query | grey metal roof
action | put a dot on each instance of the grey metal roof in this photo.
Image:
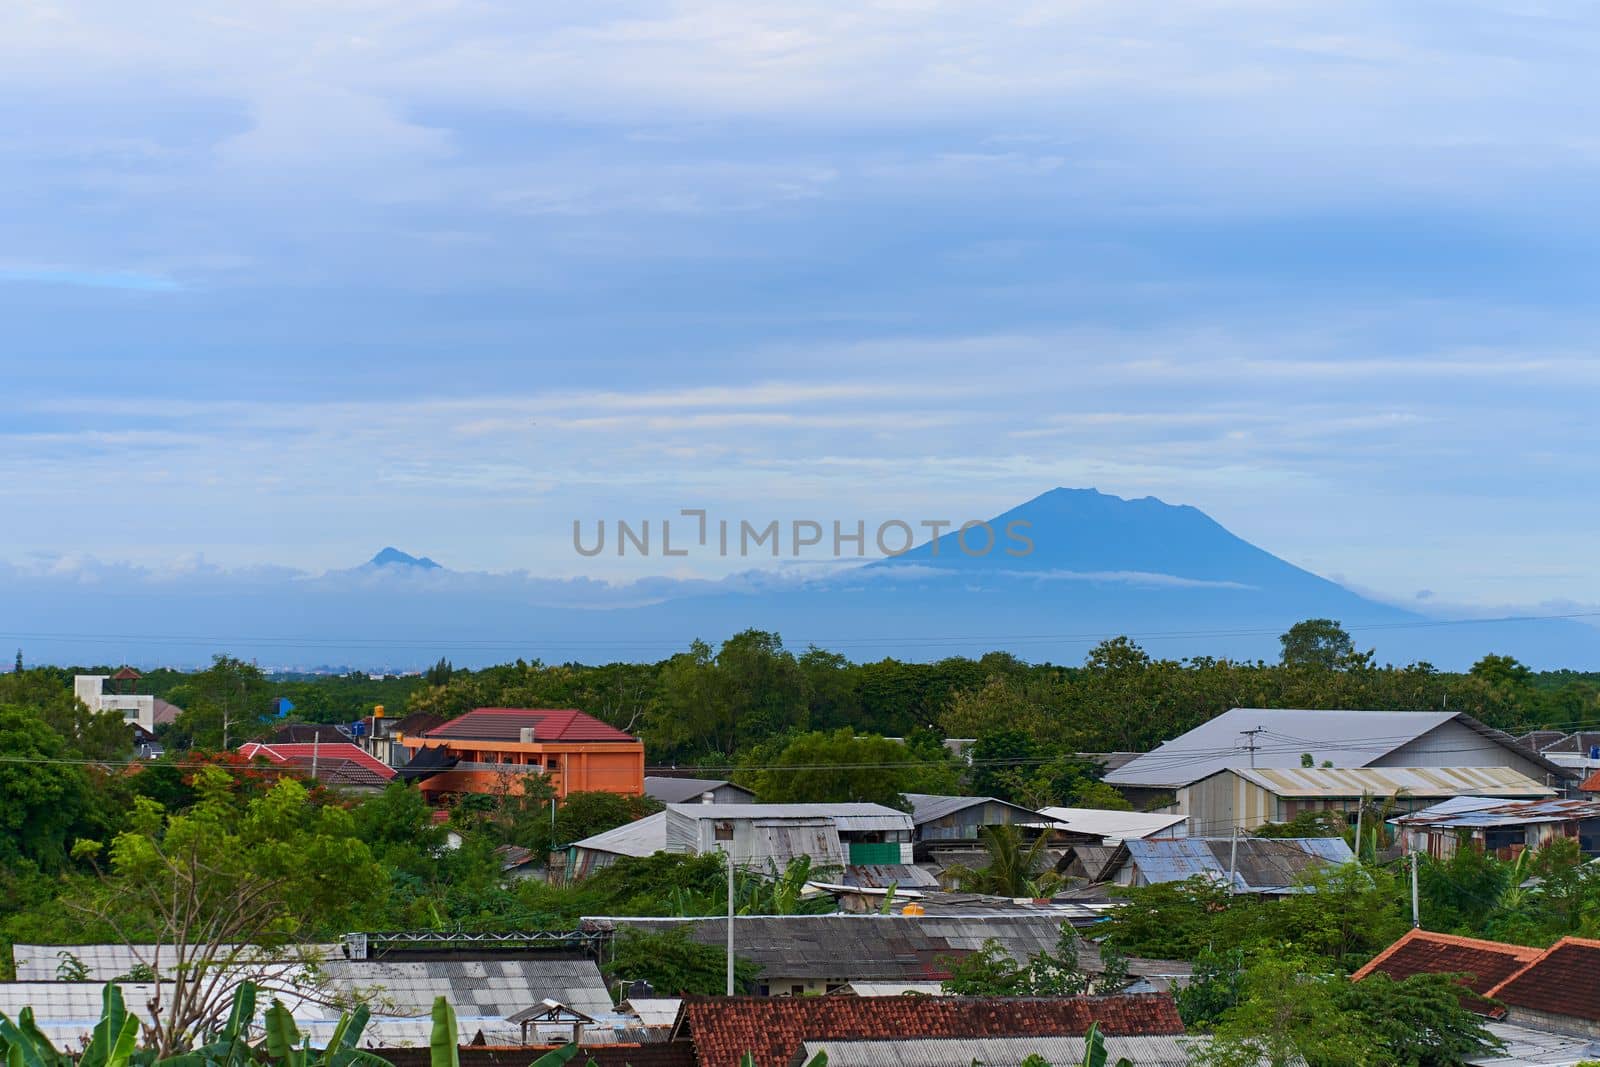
(1116, 825)
(642, 837)
(847, 817)
(926, 807)
(1348, 738)
(883, 875)
(861, 947)
(400, 996)
(1145, 1050)
(686, 790)
(1526, 1047)
(1260, 864)
(105, 962)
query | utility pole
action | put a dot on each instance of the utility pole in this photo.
(1361, 808)
(728, 852)
(1233, 857)
(316, 748)
(1416, 910)
(1250, 744)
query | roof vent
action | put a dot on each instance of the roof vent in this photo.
(708, 798)
(525, 735)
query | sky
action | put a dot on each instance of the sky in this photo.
(285, 283)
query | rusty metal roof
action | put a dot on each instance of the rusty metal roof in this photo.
(1470, 812)
(1356, 782)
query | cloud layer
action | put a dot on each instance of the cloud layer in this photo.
(288, 283)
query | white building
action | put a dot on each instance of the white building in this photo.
(90, 689)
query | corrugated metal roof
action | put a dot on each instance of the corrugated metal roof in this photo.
(894, 989)
(1349, 738)
(105, 962)
(1468, 812)
(926, 807)
(1116, 825)
(1260, 865)
(1355, 782)
(883, 875)
(483, 992)
(1147, 1051)
(686, 790)
(846, 817)
(642, 837)
(1525, 1047)
(861, 947)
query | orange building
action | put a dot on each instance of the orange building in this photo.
(491, 750)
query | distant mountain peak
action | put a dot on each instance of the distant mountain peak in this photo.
(393, 557)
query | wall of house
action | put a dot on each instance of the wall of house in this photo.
(1216, 804)
(755, 842)
(964, 825)
(1455, 745)
(1558, 1024)
(500, 766)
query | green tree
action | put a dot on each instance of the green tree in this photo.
(837, 767)
(224, 705)
(1319, 643)
(585, 814)
(207, 884)
(676, 965)
(43, 798)
(1015, 865)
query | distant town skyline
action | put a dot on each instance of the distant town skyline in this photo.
(290, 285)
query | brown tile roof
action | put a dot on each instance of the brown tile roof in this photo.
(1486, 963)
(559, 726)
(772, 1029)
(1562, 981)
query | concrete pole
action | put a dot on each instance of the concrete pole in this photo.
(1416, 910)
(729, 853)
(1233, 857)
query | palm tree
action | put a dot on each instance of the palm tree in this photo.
(1016, 867)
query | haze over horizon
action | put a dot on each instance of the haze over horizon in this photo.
(289, 286)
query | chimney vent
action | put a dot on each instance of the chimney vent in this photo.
(708, 798)
(525, 735)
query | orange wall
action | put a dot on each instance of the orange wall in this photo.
(608, 767)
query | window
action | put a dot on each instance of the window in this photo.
(723, 832)
(794, 990)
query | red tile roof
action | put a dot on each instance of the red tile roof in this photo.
(772, 1029)
(564, 726)
(1591, 784)
(1564, 980)
(1485, 963)
(335, 761)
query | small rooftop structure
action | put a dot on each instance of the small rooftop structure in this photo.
(773, 1031)
(1112, 827)
(1271, 866)
(690, 790)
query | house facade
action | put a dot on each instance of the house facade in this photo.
(495, 750)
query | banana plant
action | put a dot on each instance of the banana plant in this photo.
(1094, 1049)
(115, 1040)
(557, 1057)
(442, 1041)
(25, 1045)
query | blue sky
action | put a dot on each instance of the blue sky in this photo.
(286, 283)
